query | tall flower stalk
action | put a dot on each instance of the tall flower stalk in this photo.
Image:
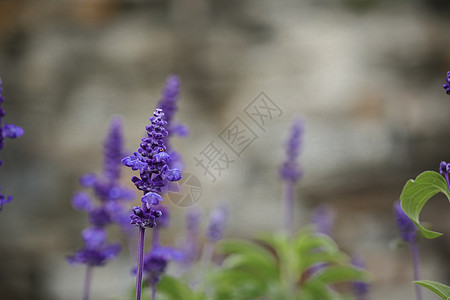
(408, 233)
(6, 131)
(152, 162)
(109, 210)
(290, 173)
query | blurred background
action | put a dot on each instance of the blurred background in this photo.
(365, 76)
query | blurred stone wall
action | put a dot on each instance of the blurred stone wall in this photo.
(365, 75)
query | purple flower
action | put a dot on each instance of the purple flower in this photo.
(408, 230)
(113, 150)
(4, 200)
(156, 261)
(6, 131)
(168, 103)
(290, 171)
(447, 84)
(217, 223)
(106, 187)
(191, 242)
(152, 162)
(360, 289)
(95, 252)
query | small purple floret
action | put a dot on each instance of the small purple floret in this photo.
(151, 198)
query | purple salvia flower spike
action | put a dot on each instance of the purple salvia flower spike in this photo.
(191, 243)
(113, 150)
(152, 163)
(168, 103)
(290, 173)
(6, 131)
(111, 195)
(447, 84)
(154, 171)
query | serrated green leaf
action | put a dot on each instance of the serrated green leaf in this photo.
(335, 274)
(439, 289)
(416, 194)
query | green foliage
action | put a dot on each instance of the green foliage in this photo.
(279, 267)
(170, 288)
(416, 194)
(439, 289)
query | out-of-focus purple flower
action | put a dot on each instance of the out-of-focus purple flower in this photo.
(152, 163)
(95, 252)
(168, 103)
(113, 152)
(217, 223)
(4, 200)
(106, 187)
(156, 261)
(323, 218)
(447, 84)
(191, 242)
(360, 289)
(408, 230)
(290, 170)
(6, 131)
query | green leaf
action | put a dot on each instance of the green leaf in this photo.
(335, 274)
(175, 289)
(237, 284)
(439, 289)
(416, 194)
